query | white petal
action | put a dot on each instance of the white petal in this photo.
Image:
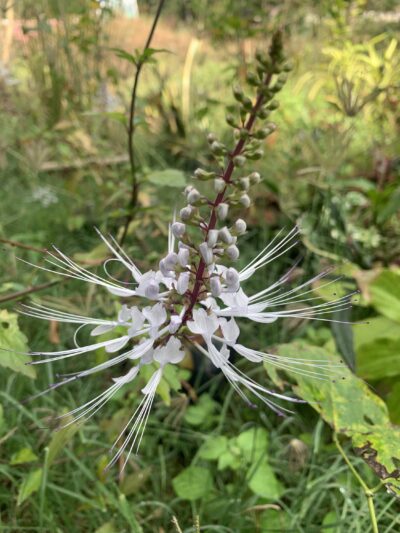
(172, 352)
(230, 330)
(130, 376)
(117, 344)
(104, 328)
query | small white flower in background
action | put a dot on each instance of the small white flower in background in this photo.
(196, 296)
(45, 196)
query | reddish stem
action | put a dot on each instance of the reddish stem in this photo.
(226, 176)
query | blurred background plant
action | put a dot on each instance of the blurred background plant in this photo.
(332, 166)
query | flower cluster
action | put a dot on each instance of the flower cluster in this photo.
(195, 296)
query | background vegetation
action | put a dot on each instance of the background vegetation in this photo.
(333, 167)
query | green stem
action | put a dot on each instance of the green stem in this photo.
(369, 493)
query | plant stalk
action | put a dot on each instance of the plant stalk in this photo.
(133, 202)
(369, 493)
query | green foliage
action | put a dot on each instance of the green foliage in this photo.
(350, 407)
(193, 483)
(331, 166)
(13, 346)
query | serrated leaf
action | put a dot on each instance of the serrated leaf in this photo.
(169, 177)
(213, 447)
(30, 484)
(108, 527)
(263, 482)
(13, 344)
(193, 483)
(25, 455)
(351, 408)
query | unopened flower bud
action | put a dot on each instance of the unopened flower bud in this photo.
(186, 212)
(263, 113)
(212, 237)
(152, 290)
(206, 253)
(219, 185)
(239, 160)
(257, 154)
(274, 104)
(244, 184)
(232, 276)
(240, 226)
(183, 256)
(252, 79)
(178, 229)
(183, 282)
(238, 93)
(231, 120)
(217, 148)
(211, 138)
(193, 196)
(171, 260)
(225, 235)
(232, 252)
(215, 286)
(203, 175)
(222, 211)
(254, 178)
(244, 200)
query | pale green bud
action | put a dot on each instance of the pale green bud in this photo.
(244, 200)
(239, 160)
(203, 175)
(219, 185)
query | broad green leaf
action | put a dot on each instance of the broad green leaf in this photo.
(169, 177)
(201, 413)
(253, 443)
(213, 447)
(262, 481)
(13, 344)
(385, 294)
(30, 485)
(351, 408)
(193, 483)
(377, 328)
(231, 458)
(25, 455)
(60, 439)
(379, 359)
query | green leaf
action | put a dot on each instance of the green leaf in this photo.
(331, 523)
(108, 527)
(201, 413)
(123, 54)
(379, 359)
(274, 520)
(262, 481)
(25, 455)
(385, 294)
(213, 447)
(30, 485)
(377, 328)
(60, 439)
(12, 345)
(253, 443)
(193, 483)
(169, 177)
(351, 408)
(230, 458)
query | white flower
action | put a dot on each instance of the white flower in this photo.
(199, 304)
